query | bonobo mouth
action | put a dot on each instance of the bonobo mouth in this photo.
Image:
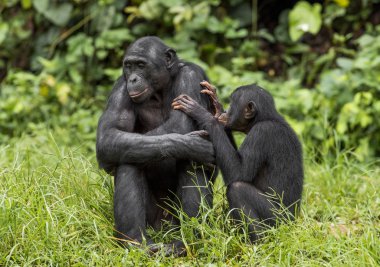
(223, 119)
(138, 94)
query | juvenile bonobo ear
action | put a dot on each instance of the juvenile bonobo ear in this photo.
(250, 110)
(171, 55)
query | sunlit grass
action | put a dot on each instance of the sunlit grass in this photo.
(56, 209)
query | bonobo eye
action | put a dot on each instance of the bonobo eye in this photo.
(141, 65)
(127, 65)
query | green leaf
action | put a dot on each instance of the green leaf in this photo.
(151, 9)
(26, 4)
(365, 40)
(59, 14)
(4, 27)
(304, 18)
(41, 5)
(345, 63)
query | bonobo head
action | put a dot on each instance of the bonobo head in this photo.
(249, 104)
(148, 67)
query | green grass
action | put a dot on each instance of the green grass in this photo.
(56, 209)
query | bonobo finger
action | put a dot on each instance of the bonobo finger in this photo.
(184, 101)
(187, 98)
(181, 96)
(208, 86)
(176, 103)
(202, 133)
(208, 92)
(205, 84)
(179, 107)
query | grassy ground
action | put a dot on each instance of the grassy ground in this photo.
(56, 209)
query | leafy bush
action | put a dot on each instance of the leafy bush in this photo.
(58, 60)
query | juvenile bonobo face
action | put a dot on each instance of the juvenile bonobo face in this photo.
(250, 104)
(241, 112)
(145, 67)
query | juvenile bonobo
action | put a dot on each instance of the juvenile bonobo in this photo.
(147, 146)
(269, 159)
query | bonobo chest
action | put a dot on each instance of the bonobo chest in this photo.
(150, 115)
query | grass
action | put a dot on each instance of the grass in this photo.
(56, 209)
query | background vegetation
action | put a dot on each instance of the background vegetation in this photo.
(59, 59)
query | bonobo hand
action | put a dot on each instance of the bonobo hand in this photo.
(188, 105)
(192, 146)
(210, 90)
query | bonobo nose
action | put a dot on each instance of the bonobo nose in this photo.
(133, 78)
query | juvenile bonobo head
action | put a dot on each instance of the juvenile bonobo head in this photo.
(148, 67)
(249, 104)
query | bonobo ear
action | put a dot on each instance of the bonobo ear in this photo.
(250, 110)
(171, 55)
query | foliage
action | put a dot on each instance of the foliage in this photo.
(56, 209)
(304, 18)
(58, 61)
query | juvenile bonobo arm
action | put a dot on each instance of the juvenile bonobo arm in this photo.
(187, 82)
(233, 163)
(116, 144)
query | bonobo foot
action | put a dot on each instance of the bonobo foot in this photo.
(176, 249)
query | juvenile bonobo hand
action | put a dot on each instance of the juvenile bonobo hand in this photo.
(210, 90)
(188, 105)
(219, 114)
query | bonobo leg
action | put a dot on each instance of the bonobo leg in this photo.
(246, 197)
(132, 203)
(194, 184)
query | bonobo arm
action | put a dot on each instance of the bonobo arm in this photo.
(187, 82)
(235, 165)
(116, 144)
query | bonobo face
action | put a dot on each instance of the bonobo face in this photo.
(138, 85)
(240, 113)
(145, 69)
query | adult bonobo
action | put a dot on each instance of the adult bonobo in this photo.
(143, 142)
(268, 161)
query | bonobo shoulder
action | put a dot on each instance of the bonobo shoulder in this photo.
(264, 129)
(119, 86)
(118, 97)
(192, 69)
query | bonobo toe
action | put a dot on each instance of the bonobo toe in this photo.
(175, 249)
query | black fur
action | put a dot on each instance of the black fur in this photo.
(143, 142)
(268, 161)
